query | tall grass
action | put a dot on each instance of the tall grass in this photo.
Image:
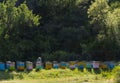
(47, 74)
(56, 76)
(116, 74)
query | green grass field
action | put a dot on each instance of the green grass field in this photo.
(56, 76)
(57, 81)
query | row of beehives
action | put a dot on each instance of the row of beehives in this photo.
(21, 66)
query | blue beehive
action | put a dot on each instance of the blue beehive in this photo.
(55, 65)
(81, 65)
(63, 65)
(20, 66)
(8, 64)
(2, 66)
(111, 65)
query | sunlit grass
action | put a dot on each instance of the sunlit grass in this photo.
(65, 80)
(55, 76)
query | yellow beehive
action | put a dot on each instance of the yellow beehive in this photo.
(21, 68)
(103, 65)
(72, 63)
(48, 65)
(81, 63)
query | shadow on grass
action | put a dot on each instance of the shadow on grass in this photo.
(96, 70)
(5, 75)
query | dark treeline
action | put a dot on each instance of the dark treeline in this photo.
(60, 30)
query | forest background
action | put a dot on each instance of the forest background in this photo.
(60, 30)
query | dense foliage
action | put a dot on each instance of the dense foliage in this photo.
(60, 29)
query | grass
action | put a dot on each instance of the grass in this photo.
(54, 81)
(55, 76)
(116, 74)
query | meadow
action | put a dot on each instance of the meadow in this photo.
(61, 76)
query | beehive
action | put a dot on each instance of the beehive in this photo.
(12, 66)
(95, 64)
(20, 66)
(2, 66)
(72, 64)
(63, 65)
(29, 65)
(81, 64)
(55, 65)
(48, 65)
(103, 65)
(88, 65)
(39, 65)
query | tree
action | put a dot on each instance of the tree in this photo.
(97, 13)
(15, 21)
(112, 22)
(107, 20)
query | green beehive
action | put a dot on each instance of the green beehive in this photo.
(12, 66)
(39, 64)
(88, 65)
